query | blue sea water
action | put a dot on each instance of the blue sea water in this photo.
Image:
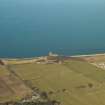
(35, 27)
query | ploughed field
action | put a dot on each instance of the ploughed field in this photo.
(72, 83)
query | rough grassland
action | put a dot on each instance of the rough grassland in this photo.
(11, 87)
(84, 84)
(3, 71)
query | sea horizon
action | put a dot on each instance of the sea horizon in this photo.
(75, 55)
(66, 27)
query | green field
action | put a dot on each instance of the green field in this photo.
(72, 83)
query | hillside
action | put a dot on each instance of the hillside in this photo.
(11, 87)
(73, 82)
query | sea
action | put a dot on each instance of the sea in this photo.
(31, 28)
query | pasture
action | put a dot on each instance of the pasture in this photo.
(71, 83)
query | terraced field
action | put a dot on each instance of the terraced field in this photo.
(71, 83)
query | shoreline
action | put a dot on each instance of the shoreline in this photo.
(35, 57)
(88, 55)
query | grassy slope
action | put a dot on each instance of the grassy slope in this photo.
(3, 71)
(70, 76)
(8, 96)
(11, 88)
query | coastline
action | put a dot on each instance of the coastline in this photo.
(36, 57)
(89, 55)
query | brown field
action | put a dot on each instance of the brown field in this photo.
(97, 58)
(11, 87)
(4, 90)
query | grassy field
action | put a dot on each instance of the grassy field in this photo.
(72, 83)
(3, 71)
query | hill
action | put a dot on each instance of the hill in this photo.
(74, 82)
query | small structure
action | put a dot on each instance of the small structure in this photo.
(52, 54)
